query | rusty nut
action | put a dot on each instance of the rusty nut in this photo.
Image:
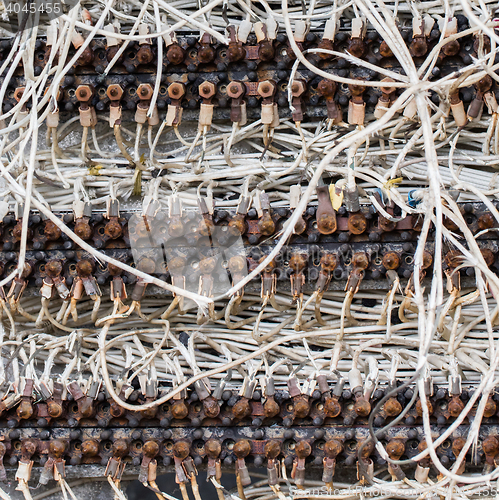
(18, 93)
(388, 90)
(58, 96)
(176, 90)
(114, 92)
(207, 90)
(235, 90)
(266, 89)
(144, 91)
(298, 88)
(84, 93)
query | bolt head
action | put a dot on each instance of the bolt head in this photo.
(207, 90)
(84, 93)
(144, 91)
(298, 88)
(114, 92)
(176, 90)
(266, 89)
(235, 90)
(19, 93)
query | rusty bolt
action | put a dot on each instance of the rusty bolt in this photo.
(490, 446)
(207, 90)
(175, 54)
(150, 449)
(84, 268)
(329, 261)
(145, 91)
(235, 52)
(28, 448)
(266, 50)
(367, 449)
(298, 88)
(28, 269)
(113, 229)
(53, 268)
(242, 448)
(207, 265)
(179, 410)
(213, 448)
(360, 260)
(326, 223)
(266, 225)
(356, 47)
(114, 270)
(57, 448)
(241, 409)
(419, 407)
(57, 97)
(490, 408)
(83, 229)
(237, 264)
(144, 54)
(176, 264)
(114, 92)
(271, 408)
(488, 256)
(301, 407)
(84, 93)
(236, 89)
(272, 449)
(176, 228)
(456, 406)
(86, 57)
(303, 449)
(238, 224)
(270, 266)
(486, 221)
(391, 260)
(451, 48)
(54, 409)
(332, 408)
(427, 259)
(418, 47)
(326, 88)
(146, 265)
(298, 262)
(120, 448)
(357, 223)
(116, 410)
(181, 449)
(18, 93)
(25, 410)
(387, 90)
(211, 408)
(484, 84)
(395, 449)
(51, 231)
(362, 407)
(458, 445)
(333, 448)
(90, 448)
(356, 90)
(392, 407)
(385, 50)
(266, 89)
(206, 53)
